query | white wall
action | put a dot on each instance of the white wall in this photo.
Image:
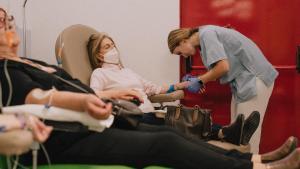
(139, 27)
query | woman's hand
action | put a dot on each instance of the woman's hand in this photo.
(181, 85)
(125, 94)
(196, 85)
(191, 85)
(96, 107)
(39, 130)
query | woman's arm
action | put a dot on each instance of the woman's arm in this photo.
(97, 83)
(177, 86)
(220, 68)
(70, 100)
(151, 88)
(124, 94)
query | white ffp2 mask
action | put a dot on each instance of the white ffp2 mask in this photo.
(112, 56)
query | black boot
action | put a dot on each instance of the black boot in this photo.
(250, 126)
(233, 133)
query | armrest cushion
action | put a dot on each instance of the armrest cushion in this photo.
(169, 97)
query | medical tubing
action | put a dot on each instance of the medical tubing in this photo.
(47, 155)
(72, 84)
(35, 147)
(1, 103)
(10, 88)
(8, 162)
(16, 162)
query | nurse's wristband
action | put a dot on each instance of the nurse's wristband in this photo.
(171, 89)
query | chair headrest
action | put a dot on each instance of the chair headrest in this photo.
(71, 52)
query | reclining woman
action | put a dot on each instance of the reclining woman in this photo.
(14, 136)
(109, 74)
(114, 145)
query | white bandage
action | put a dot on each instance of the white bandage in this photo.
(60, 114)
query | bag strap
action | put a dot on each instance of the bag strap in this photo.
(195, 113)
(178, 111)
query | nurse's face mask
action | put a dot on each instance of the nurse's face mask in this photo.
(108, 52)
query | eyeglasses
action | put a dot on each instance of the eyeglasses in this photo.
(10, 19)
(2, 20)
(9, 22)
(108, 46)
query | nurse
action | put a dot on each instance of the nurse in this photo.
(233, 59)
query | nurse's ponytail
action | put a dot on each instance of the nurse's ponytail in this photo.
(178, 35)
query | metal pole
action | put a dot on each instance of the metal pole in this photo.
(24, 30)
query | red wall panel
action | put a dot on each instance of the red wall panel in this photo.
(275, 26)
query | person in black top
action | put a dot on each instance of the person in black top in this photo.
(137, 148)
(12, 125)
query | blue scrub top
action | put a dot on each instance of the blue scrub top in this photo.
(245, 59)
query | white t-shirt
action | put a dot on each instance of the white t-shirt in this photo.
(111, 77)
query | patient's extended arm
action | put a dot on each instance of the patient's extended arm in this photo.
(151, 88)
(124, 94)
(101, 81)
(70, 100)
(177, 86)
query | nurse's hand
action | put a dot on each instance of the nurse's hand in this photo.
(187, 77)
(196, 85)
(202, 90)
(96, 107)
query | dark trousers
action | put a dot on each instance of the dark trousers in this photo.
(148, 145)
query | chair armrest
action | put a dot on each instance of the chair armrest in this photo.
(169, 97)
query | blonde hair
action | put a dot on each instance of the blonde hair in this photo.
(5, 17)
(178, 35)
(93, 49)
(4, 11)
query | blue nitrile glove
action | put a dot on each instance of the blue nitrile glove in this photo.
(195, 85)
(187, 77)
